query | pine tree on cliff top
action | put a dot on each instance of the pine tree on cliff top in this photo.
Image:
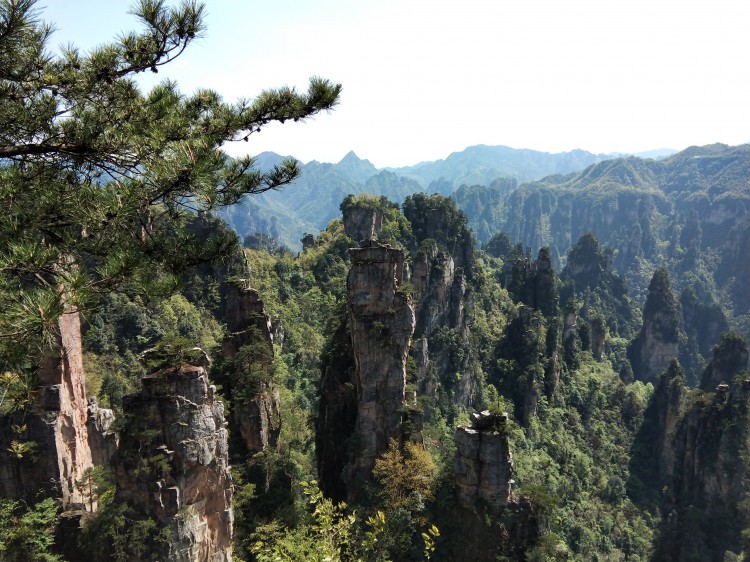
(97, 179)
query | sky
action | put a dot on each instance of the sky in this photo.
(422, 79)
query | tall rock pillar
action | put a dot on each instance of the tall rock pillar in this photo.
(381, 321)
(173, 463)
(249, 346)
(56, 426)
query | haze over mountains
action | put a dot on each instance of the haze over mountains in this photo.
(313, 200)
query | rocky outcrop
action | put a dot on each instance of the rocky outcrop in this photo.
(706, 480)
(436, 218)
(523, 358)
(55, 429)
(103, 439)
(484, 464)
(381, 322)
(652, 454)
(690, 453)
(730, 358)
(657, 343)
(489, 521)
(248, 352)
(172, 464)
(440, 292)
(362, 222)
(443, 299)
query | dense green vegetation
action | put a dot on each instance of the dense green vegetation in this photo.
(618, 453)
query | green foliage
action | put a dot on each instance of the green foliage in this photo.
(95, 482)
(118, 533)
(16, 391)
(406, 475)
(331, 534)
(27, 533)
(438, 218)
(98, 179)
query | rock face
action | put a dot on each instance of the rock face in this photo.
(103, 440)
(657, 343)
(362, 222)
(255, 412)
(484, 463)
(381, 322)
(706, 479)
(730, 357)
(489, 522)
(442, 303)
(690, 450)
(172, 464)
(653, 456)
(56, 425)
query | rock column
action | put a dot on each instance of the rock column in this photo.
(382, 322)
(173, 463)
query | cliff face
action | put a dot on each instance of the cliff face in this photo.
(657, 343)
(484, 463)
(707, 479)
(489, 523)
(730, 357)
(381, 322)
(362, 222)
(103, 439)
(56, 425)
(442, 301)
(172, 463)
(690, 451)
(440, 291)
(249, 343)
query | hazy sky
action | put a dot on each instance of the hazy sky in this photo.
(424, 78)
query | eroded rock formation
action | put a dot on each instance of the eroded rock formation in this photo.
(362, 222)
(657, 343)
(103, 439)
(172, 464)
(706, 479)
(690, 451)
(381, 322)
(55, 428)
(484, 463)
(442, 303)
(249, 347)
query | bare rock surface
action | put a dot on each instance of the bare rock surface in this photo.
(484, 463)
(55, 427)
(172, 464)
(381, 321)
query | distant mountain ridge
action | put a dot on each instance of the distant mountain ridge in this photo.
(313, 200)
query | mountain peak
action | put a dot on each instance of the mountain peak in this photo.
(355, 168)
(351, 157)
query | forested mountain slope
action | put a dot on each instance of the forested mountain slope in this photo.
(314, 199)
(689, 212)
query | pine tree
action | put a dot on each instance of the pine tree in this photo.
(98, 179)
